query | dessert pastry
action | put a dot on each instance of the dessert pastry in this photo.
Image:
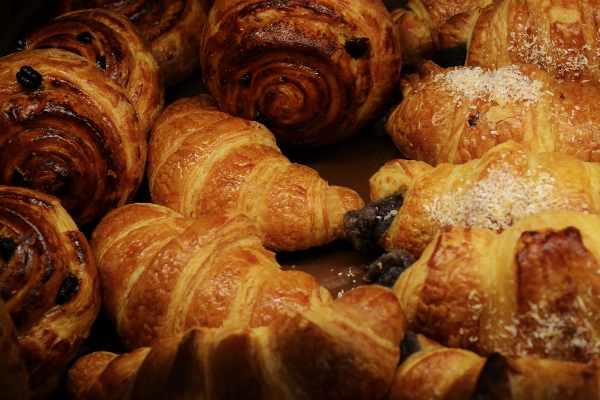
(172, 28)
(14, 382)
(457, 114)
(68, 130)
(162, 274)
(348, 350)
(49, 282)
(532, 290)
(201, 159)
(110, 41)
(505, 185)
(312, 72)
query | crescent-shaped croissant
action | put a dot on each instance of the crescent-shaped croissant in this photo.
(348, 350)
(201, 159)
(531, 290)
(68, 130)
(313, 72)
(457, 114)
(162, 274)
(49, 282)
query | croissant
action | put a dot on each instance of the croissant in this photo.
(48, 281)
(559, 37)
(454, 374)
(68, 130)
(457, 114)
(531, 290)
(505, 185)
(162, 274)
(110, 41)
(348, 350)
(14, 383)
(313, 72)
(172, 28)
(201, 159)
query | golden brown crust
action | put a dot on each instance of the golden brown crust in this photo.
(201, 159)
(14, 383)
(532, 290)
(163, 274)
(313, 71)
(460, 113)
(172, 29)
(76, 136)
(335, 352)
(110, 41)
(49, 282)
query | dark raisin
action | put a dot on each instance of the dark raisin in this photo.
(261, 118)
(29, 78)
(21, 45)
(68, 289)
(7, 247)
(356, 47)
(473, 119)
(101, 62)
(246, 80)
(85, 37)
(409, 345)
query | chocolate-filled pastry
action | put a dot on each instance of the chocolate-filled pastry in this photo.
(110, 41)
(493, 192)
(532, 290)
(313, 72)
(444, 373)
(172, 28)
(457, 114)
(162, 274)
(68, 130)
(201, 159)
(49, 282)
(348, 350)
(14, 381)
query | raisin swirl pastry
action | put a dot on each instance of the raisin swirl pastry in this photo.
(172, 28)
(68, 130)
(48, 280)
(313, 72)
(112, 42)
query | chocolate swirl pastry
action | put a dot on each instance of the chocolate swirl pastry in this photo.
(313, 72)
(48, 280)
(110, 41)
(171, 27)
(68, 130)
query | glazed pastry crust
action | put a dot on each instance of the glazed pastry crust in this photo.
(201, 159)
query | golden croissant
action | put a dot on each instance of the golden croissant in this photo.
(201, 159)
(110, 41)
(532, 290)
(348, 350)
(313, 72)
(508, 183)
(437, 372)
(68, 130)
(456, 114)
(14, 382)
(162, 274)
(49, 283)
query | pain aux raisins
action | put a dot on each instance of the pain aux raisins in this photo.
(29, 78)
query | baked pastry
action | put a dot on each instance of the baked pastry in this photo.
(348, 350)
(312, 72)
(48, 281)
(505, 185)
(172, 28)
(162, 274)
(68, 130)
(110, 41)
(444, 373)
(559, 37)
(531, 290)
(14, 382)
(201, 159)
(457, 114)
